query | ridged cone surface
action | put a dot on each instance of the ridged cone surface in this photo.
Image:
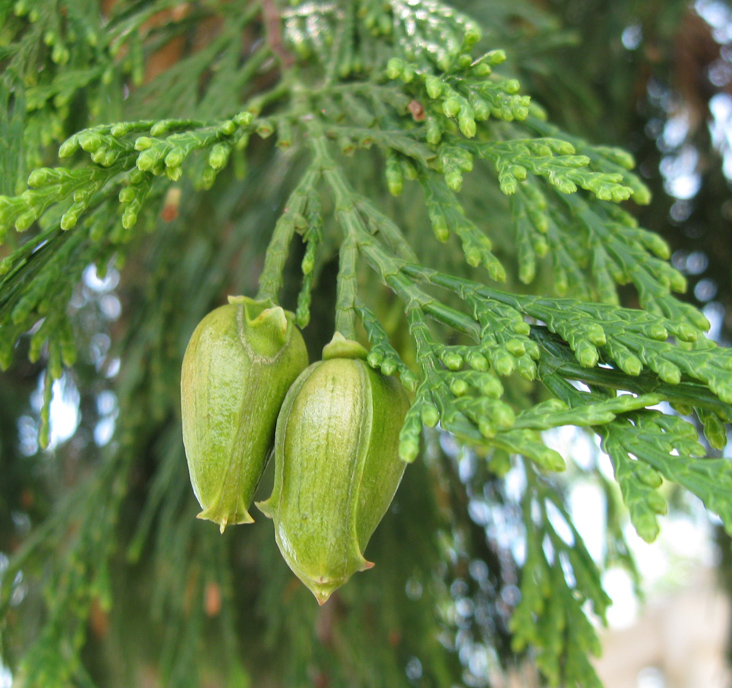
(337, 469)
(239, 364)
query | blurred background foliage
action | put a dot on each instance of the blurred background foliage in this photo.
(154, 597)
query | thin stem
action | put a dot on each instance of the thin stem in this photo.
(423, 341)
(272, 22)
(284, 88)
(347, 287)
(345, 33)
(559, 359)
(270, 282)
(388, 266)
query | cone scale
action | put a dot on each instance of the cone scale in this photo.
(239, 364)
(336, 465)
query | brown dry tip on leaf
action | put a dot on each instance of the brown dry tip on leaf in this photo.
(417, 110)
(171, 205)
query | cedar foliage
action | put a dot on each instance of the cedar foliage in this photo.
(378, 169)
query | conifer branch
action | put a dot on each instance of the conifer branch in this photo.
(359, 99)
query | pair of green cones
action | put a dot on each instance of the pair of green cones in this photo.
(246, 386)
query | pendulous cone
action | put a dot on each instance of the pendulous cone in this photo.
(239, 364)
(336, 465)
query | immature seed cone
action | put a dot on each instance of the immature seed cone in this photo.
(337, 465)
(239, 364)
